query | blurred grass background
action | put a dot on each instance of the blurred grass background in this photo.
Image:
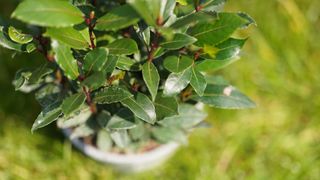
(278, 140)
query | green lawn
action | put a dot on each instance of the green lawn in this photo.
(278, 140)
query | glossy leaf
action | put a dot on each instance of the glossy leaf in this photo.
(198, 81)
(103, 118)
(73, 103)
(75, 119)
(111, 63)
(48, 13)
(118, 18)
(95, 81)
(148, 10)
(227, 53)
(46, 117)
(65, 60)
(39, 73)
(6, 42)
(151, 78)
(229, 48)
(110, 95)
(139, 132)
(95, 60)
(193, 19)
(75, 38)
(18, 37)
(104, 141)
(189, 116)
(120, 138)
(177, 64)
(128, 64)
(183, 2)
(165, 106)
(84, 130)
(167, 8)
(224, 97)
(169, 134)
(124, 46)
(21, 78)
(142, 107)
(220, 30)
(179, 40)
(49, 94)
(124, 119)
(176, 82)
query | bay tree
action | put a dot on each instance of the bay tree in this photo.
(127, 72)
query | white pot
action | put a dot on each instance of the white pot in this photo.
(127, 163)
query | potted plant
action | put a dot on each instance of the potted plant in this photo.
(124, 80)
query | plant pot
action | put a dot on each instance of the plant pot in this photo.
(127, 163)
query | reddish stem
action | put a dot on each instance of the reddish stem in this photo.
(154, 46)
(93, 107)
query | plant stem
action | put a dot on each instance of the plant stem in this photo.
(43, 48)
(154, 46)
(91, 25)
(93, 106)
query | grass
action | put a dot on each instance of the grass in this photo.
(278, 140)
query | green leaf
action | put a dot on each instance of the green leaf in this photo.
(118, 18)
(151, 78)
(215, 5)
(169, 134)
(124, 46)
(18, 37)
(227, 54)
(142, 107)
(193, 19)
(49, 94)
(148, 10)
(48, 13)
(73, 103)
(95, 60)
(38, 74)
(65, 60)
(249, 19)
(103, 118)
(75, 119)
(179, 40)
(224, 97)
(214, 65)
(222, 29)
(165, 106)
(139, 132)
(198, 81)
(21, 78)
(95, 81)
(6, 42)
(229, 48)
(46, 117)
(176, 82)
(111, 95)
(83, 130)
(104, 141)
(177, 64)
(111, 63)
(183, 2)
(168, 8)
(120, 138)
(75, 38)
(189, 116)
(128, 64)
(124, 119)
